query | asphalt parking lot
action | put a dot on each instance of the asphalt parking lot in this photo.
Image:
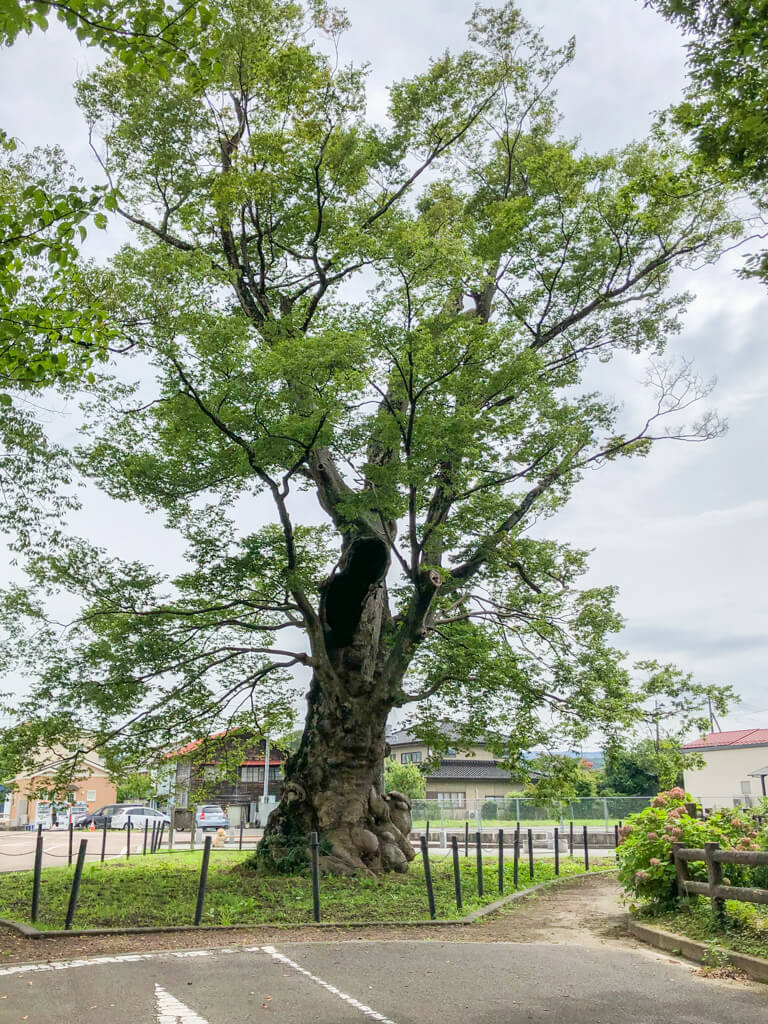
(392, 982)
(17, 849)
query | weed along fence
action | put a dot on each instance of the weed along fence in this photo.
(570, 839)
(137, 890)
(716, 887)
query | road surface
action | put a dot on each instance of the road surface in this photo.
(396, 982)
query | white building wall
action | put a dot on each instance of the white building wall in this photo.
(724, 773)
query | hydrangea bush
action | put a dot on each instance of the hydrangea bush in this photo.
(646, 869)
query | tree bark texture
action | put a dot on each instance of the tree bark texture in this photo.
(333, 783)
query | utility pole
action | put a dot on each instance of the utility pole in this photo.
(266, 769)
(714, 725)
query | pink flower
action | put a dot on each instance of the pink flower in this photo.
(735, 822)
(653, 835)
(654, 862)
(677, 833)
(641, 875)
(660, 800)
(677, 793)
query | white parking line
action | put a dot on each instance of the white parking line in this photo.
(166, 1007)
(365, 1010)
(121, 958)
(169, 1010)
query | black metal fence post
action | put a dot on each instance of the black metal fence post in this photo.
(586, 849)
(466, 838)
(103, 840)
(128, 840)
(146, 834)
(69, 851)
(570, 838)
(76, 884)
(615, 837)
(153, 837)
(240, 842)
(428, 877)
(36, 878)
(530, 852)
(203, 880)
(456, 872)
(479, 857)
(160, 836)
(557, 850)
(501, 860)
(315, 843)
(427, 829)
(516, 859)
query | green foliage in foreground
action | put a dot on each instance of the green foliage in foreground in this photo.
(161, 890)
(646, 870)
(744, 928)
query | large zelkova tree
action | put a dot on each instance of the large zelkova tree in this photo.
(368, 342)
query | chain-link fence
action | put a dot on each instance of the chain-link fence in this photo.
(500, 813)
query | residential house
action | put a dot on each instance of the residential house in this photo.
(91, 787)
(463, 778)
(228, 769)
(734, 771)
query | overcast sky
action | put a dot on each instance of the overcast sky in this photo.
(683, 533)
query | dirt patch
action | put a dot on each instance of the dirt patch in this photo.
(582, 912)
(585, 913)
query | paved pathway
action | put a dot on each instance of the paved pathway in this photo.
(389, 982)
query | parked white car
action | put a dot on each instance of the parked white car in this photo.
(139, 816)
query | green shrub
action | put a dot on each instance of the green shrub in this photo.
(646, 869)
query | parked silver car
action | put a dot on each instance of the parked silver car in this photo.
(210, 816)
(139, 816)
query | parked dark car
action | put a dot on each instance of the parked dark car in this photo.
(102, 814)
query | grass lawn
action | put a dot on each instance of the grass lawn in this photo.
(162, 890)
(744, 928)
(509, 826)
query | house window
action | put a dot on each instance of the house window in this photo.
(450, 752)
(414, 757)
(454, 799)
(746, 788)
(210, 772)
(90, 795)
(275, 772)
(252, 773)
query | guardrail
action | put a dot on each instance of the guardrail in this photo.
(714, 857)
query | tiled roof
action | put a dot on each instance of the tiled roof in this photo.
(730, 738)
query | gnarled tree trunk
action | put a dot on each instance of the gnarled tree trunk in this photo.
(333, 783)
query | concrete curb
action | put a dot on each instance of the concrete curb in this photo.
(753, 966)
(30, 932)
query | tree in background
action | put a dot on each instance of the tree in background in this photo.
(383, 328)
(404, 778)
(724, 110)
(136, 786)
(675, 706)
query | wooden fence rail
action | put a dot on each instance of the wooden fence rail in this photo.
(714, 858)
